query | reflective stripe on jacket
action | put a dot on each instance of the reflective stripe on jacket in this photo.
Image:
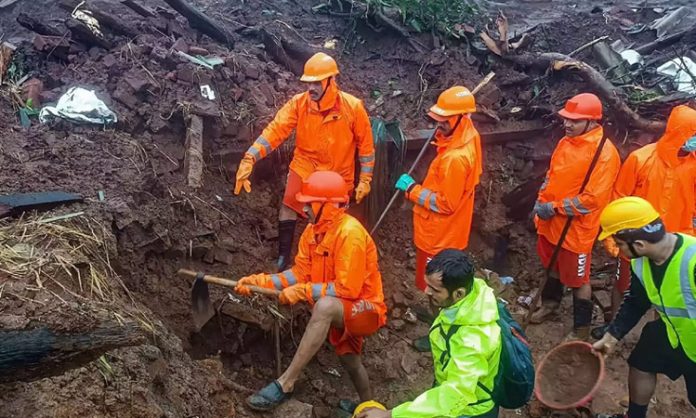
(569, 165)
(343, 263)
(444, 203)
(326, 137)
(675, 300)
(472, 358)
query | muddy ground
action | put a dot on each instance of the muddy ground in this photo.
(157, 224)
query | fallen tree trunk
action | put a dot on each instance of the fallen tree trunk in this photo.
(201, 22)
(105, 19)
(596, 80)
(31, 354)
(137, 8)
(36, 26)
(290, 54)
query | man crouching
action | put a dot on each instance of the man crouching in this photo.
(336, 272)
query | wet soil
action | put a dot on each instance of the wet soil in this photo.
(569, 375)
(158, 224)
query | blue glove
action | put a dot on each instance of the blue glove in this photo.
(405, 183)
(545, 211)
(689, 145)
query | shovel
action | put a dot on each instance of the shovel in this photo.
(200, 296)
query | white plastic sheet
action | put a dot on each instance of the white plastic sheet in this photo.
(682, 71)
(80, 106)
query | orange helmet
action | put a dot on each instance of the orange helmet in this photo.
(319, 67)
(323, 186)
(455, 100)
(585, 106)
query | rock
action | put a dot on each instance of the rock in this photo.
(397, 324)
(293, 409)
(109, 60)
(397, 313)
(198, 251)
(223, 256)
(197, 50)
(399, 299)
(322, 412)
(138, 81)
(181, 45)
(252, 72)
(125, 95)
(604, 299)
(267, 92)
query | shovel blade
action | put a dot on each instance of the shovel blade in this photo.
(202, 308)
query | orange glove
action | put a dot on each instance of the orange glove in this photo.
(611, 247)
(362, 190)
(243, 174)
(294, 294)
(260, 280)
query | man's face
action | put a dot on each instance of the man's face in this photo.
(444, 127)
(315, 89)
(574, 128)
(436, 292)
(638, 247)
(309, 211)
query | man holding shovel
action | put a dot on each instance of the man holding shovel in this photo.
(444, 202)
(336, 272)
(330, 126)
(663, 271)
(578, 185)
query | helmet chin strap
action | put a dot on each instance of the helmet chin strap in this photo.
(324, 89)
(318, 214)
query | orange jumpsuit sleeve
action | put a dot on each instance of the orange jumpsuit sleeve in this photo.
(596, 193)
(350, 269)
(300, 272)
(627, 181)
(362, 130)
(277, 131)
(450, 193)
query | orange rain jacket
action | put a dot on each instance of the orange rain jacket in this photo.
(327, 135)
(342, 263)
(444, 203)
(655, 173)
(569, 165)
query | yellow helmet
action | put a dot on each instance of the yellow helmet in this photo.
(367, 405)
(629, 212)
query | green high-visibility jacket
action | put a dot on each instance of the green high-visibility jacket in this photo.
(471, 358)
(675, 300)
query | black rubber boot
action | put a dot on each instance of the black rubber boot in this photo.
(553, 290)
(286, 235)
(582, 318)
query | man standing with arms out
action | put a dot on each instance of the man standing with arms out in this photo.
(662, 277)
(663, 174)
(444, 203)
(560, 199)
(336, 272)
(330, 125)
(466, 342)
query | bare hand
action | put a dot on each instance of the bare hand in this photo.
(606, 344)
(374, 413)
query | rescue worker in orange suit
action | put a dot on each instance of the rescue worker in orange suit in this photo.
(444, 202)
(336, 273)
(663, 173)
(560, 198)
(330, 125)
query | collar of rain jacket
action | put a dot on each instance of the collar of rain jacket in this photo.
(478, 307)
(330, 216)
(328, 101)
(465, 133)
(594, 135)
(681, 126)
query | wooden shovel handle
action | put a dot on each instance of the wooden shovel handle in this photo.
(227, 282)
